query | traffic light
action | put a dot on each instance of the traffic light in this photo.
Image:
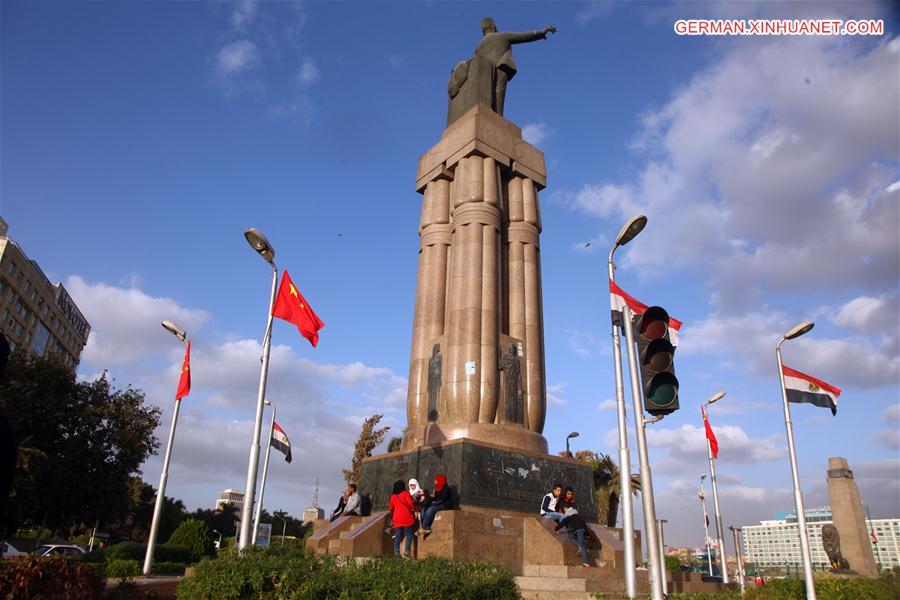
(656, 355)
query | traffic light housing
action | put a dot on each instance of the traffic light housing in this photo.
(656, 356)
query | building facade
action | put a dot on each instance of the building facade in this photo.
(36, 316)
(231, 497)
(776, 543)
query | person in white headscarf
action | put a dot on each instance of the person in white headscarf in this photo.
(416, 491)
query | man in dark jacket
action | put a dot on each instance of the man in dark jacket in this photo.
(576, 528)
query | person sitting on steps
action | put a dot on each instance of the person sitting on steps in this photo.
(352, 508)
(576, 529)
(549, 503)
(566, 500)
(440, 500)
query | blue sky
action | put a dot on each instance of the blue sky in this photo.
(139, 140)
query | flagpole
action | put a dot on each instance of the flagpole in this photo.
(723, 556)
(262, 486)
(625, 499)
(736, 532)
(705, 525)
(795, 473)
(164, 476)
(259, 243)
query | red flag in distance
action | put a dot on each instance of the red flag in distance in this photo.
(713, 442)
(184, 382)
(292, 307)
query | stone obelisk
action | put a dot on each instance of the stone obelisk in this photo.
(850, 518)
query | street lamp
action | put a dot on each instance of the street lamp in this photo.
(702, 497)
(736, 532)
(283, 528)
(627, 233)
(262, 246)
(262, 487)
(796, 332)
(164, 476)
(715, 489)
(662, 553)
(574, 434)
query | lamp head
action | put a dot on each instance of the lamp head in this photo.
(633, 227)
(799, 330)
(716, 397)
(268, 403)
(702, 477)
(174, 330)
(574, 434)
(258, 242)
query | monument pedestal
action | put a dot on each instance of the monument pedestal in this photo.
(481, 475)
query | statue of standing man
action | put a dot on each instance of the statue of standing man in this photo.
(482, 79)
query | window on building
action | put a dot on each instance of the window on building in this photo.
(11, 268)
(26, 286)
(34, 295)
(20, 277)
(41, 337)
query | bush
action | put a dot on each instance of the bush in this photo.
(137, 551)
(672, 563)
(168, 568)
(295, 573)
(829, 587)
(122, 569)
(35, 578)
(194, 535)
(126, 551)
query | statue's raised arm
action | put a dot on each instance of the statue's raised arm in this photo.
(482, 79)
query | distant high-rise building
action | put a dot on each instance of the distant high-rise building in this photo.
(231, 497)
(314, 512)
(37, 317)
(776, 543)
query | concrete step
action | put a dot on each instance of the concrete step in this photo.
(601, 569)
(551, 584)
(334, 546)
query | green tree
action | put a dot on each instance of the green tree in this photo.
(369, 438)
(136, 522)
(80, 442)
(194, 535)
(606, 484)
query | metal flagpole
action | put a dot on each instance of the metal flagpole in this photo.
(625, 499)
(253, 465)
(646, 477)
(795, 473)
(706, 525)
(736, 532)
(262, 485)
(662, 555)
(715, 491)
(164, 476)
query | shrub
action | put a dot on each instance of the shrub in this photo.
(194, 535)
(828, 588)
(672, 563)
(35, 578)
(126, 551)
(168, 568)
(137, 551)
(122, 569)
(295, 573)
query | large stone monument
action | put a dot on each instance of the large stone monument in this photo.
(849, 518)
(477, 396)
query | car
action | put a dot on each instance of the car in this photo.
(11, 551)
(59, 550)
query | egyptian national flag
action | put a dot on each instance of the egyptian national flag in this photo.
(281, 442)
(806, 388)
(713, 442)
(184, 382)
(291, 306)
(619, 299)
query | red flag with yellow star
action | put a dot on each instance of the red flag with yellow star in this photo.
(291, 306)
(184, 382)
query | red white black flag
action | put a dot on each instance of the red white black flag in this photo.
(281, 442)
(619, 299)
(806, 388)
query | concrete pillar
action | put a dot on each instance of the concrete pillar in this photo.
(849, 518)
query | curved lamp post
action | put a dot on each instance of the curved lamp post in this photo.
(702, 497)
(715, 489)
(796, 332)
(574, 434)
(628, 232)
(179, 333)
(262, 246)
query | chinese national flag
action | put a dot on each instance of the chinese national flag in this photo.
(291, 306)
(713, 442)
(184, 383)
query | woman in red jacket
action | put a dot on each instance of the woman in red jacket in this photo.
(403, 515)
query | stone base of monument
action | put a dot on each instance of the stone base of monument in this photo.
(545, 563)
(480, 475)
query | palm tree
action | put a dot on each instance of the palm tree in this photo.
(606, 484)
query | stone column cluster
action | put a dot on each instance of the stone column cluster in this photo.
(478, 326)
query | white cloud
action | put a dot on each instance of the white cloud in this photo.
(873, 315)
(892, 413)
(237, 57)
(125, 321)
(308, 73)
(535, 133)
(244, 14)
(608, 404)
(554, 394)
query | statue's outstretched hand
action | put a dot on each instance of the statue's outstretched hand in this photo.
(550, 29)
